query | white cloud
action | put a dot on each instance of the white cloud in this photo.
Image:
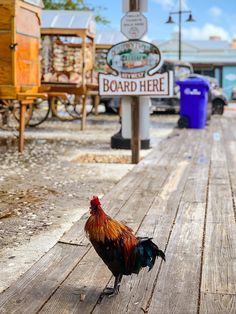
(215, 11)
(166, 4)
(170, 4)
(204, 32)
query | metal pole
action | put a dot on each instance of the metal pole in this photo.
(180, 29)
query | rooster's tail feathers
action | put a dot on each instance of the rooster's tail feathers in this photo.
(147, 252)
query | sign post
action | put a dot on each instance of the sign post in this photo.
(135, 139)
(134, 64)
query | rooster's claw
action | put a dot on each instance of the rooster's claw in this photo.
(110, 292)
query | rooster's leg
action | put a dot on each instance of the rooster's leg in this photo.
(113, 291)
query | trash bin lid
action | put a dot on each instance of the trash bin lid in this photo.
(194, 80)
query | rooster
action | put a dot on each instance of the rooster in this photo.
(119, 248)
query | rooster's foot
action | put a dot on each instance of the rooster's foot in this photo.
(110, 291)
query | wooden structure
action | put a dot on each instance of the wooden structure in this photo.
(73, 30)
(186, 203)
(19, 54)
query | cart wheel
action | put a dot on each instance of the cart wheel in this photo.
(183, 122)
(64, 110)
(14, 106)
(41, 109)
(4, 114)
(75, 107)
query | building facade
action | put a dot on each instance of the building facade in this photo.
(213, 57)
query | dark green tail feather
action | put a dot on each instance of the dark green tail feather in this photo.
(146, 254)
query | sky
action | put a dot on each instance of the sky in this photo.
(213, 17)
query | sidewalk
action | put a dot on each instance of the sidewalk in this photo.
(183, 195)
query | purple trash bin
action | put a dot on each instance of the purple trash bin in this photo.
(193, 102)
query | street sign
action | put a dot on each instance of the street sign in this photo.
(133, 63)
(134, 25)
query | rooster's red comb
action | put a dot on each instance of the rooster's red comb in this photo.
(95, 201)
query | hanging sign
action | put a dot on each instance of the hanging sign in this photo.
(135, 64)
(134, 25)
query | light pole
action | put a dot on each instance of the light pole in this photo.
(180, 13)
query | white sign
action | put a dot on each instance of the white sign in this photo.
(159, 85)
(134, 25)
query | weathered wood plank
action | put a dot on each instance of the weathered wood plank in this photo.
(32, 290)
(219, 259)
(218, 303)
(112, 203)
(179, 277)
(114, 200)
(157, 224)
(131, 213)
(220, 206)
(136, 291)
(230, 148)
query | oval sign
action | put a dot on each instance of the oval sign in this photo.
(134, 56)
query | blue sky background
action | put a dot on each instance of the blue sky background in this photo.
(213, 17)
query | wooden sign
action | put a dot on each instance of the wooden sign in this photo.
(158, 85)
(135, 64)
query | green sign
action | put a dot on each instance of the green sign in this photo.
(134, 56)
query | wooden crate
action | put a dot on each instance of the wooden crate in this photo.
(19, 54)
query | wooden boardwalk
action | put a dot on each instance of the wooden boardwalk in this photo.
(183, 195)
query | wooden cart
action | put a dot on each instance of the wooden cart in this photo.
(19, 54)
(68, 53)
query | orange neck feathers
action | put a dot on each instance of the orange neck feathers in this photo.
(100, 227)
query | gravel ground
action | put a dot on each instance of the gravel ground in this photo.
(46, 189)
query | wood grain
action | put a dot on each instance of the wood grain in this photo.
(219, 260)
(91, 275)
(23, 26)
(27, 56)
(5, 16)
(34, 288)
(177, 287)
(5, 59)
(218, 303)
(157, 224)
